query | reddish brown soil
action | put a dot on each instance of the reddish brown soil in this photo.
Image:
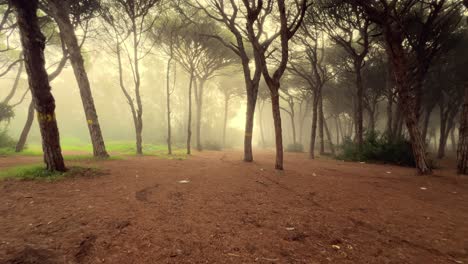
(319, 211)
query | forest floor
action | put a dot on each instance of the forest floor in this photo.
(214, 208)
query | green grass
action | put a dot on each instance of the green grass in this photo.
(117, 149)
(39, 172)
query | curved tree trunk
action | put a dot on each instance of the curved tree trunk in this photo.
(15, 84)
(33, 42)
(27, 127)
(406, 99)
(61, 15)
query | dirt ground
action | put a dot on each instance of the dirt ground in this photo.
(228, 211)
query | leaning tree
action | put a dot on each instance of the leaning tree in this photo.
(33, 43)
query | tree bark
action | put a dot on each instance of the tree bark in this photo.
(313, 133)
(189, 122)
(33, 42)
(360, 104)
(15, 84)
(249, 123)
(329, 137)
(260, 121)
(199, 100)
(168, 104)
(462, 149)
(321, 120)
(27, 127)
(278, 130)
(406, 98)
(61, 15)
(226, 109)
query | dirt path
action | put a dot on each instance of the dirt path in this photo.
(232, 212)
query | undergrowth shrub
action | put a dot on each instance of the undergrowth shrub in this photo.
(6, 141)
(378, 148)
(295, 147)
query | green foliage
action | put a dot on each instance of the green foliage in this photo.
(295, 147)
(6, 112)
(39, 172)
(6, 141)
(378, 148)
(212, 145)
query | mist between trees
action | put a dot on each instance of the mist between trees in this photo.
(274, 74)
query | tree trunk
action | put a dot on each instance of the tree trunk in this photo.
(189, 122)
(27, 127)
(33, 42)
(260, 121)
(427, 116)
(61, 15)
(293, 126)
(168, 104)
(329, 137)
(453, 140)
(321, 120)
(15, 84)
(226, 109)
(199, 101)
(462, 149)
(389, 85)
(249, 123)
(278, 130)
(359, 109)
(406, 98)
(337, 128)
(313, 133)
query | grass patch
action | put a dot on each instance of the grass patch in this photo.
(89, 158)
(39, 172)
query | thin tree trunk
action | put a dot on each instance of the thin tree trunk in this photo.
(27, 127)
(329, 137)
(226, 109)
(61, 15)
(33, 42)
(389, 85)
(199, 101)
(360, 107)
(260, 120)
(337, 127)
(462, 149)
(321, 120)
(189, 123)
(168, 104)
(278, 130)
(15, 84)
(453, 140)
(313, 133)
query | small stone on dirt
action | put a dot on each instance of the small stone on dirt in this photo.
(184, 181)
(423, 188)
(336, 247)
(290, 228)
